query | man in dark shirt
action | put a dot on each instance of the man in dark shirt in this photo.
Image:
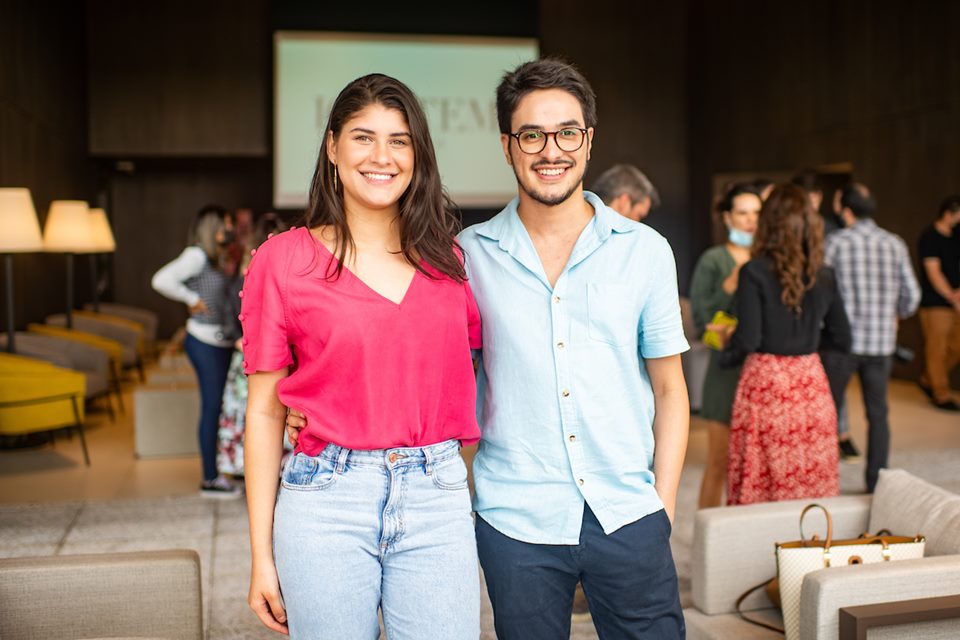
(939, 249)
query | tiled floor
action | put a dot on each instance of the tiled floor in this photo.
(51, 504)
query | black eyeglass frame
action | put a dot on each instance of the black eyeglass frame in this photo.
(546, 139)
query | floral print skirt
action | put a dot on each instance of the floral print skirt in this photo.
(783, 432)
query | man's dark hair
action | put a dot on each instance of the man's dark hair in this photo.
(546, 73)
(857, 198)
(808, 180)
(625, 178)
(950, 204)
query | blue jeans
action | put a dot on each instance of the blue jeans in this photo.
(391, 528)
(211, 364)
(628, 577)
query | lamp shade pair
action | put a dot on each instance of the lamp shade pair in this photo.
(71, 226)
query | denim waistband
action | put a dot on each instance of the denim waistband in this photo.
(393, 457)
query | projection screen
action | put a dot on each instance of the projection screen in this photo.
(454, 77)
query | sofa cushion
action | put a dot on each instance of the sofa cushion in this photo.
(907, 505)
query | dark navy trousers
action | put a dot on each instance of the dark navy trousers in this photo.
(628, 577)
(211, 364)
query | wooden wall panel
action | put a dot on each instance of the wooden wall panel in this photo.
(179, 78)
(43, 138)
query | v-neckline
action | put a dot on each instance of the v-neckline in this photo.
(363, 283)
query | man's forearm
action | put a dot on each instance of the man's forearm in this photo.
(670, 430)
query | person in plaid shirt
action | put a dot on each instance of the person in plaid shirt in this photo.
(878, 287)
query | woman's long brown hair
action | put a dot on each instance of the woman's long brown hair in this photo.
(790, 233)
(428, 221)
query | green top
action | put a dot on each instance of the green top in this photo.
(706, 288)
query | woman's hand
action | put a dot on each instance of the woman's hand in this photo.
(723, 331)
(198, 307)
(295, 422)
(265, 598)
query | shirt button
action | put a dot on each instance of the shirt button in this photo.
(245, 341)
(565, 393)
(241, 317)
(580, 482)
(556, 299)
(244, 363)
(572, 438)
(253, 252)
(240, 294)
(560, 345)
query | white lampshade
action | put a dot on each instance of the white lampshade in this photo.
(67, 229)
(18, 220)
(100, 232)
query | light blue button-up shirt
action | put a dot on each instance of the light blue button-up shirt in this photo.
(564, 400)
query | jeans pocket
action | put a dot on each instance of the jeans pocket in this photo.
(610, 314)
(304, 473)
(450, 475)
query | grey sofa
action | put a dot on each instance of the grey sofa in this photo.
(152, 594)
(733, 551)
(128, 338)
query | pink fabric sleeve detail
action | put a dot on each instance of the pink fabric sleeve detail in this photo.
(473, 319)
(263, 310)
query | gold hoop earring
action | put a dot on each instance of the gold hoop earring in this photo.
(335, 182)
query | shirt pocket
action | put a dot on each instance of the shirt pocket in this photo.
(610, 311)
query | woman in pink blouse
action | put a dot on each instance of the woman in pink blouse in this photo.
(363, 321)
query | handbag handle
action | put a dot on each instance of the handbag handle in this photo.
(826, 513)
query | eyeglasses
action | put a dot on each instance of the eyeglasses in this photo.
(534, 141)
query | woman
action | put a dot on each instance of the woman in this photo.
(363, 321)
(783, 431)
(197, 279)
(712, 289)
(232, 414)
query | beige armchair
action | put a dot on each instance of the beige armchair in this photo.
(733, 551)
(152, 594)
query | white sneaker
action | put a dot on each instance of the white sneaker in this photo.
(219, 487)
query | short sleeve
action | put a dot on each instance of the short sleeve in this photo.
(473, 318)
(266, 345)
(661, 328)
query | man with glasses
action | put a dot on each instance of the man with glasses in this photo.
(584, 408)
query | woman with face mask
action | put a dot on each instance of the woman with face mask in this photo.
(711, 290)
(198, 279)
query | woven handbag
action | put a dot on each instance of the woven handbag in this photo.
(797, 559)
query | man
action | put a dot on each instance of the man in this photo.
(626, 190)
(582, 402)
(878, 286)
(940, 305)
(580, 383)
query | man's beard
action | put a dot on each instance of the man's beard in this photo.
(551, 201)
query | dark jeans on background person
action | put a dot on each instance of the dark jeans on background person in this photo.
(628, 577)
(211, 364)
(874, 373)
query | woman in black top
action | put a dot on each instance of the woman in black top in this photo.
(783, 437)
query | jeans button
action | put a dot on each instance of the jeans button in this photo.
(392, 458)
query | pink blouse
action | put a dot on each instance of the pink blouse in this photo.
(367, 372)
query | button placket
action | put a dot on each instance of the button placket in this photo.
(561, 356)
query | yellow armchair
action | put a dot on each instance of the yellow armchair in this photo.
(36, 396)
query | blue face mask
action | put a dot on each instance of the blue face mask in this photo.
(740, 238)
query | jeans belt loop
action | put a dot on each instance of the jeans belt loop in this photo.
(428, 460)
(342, 459)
